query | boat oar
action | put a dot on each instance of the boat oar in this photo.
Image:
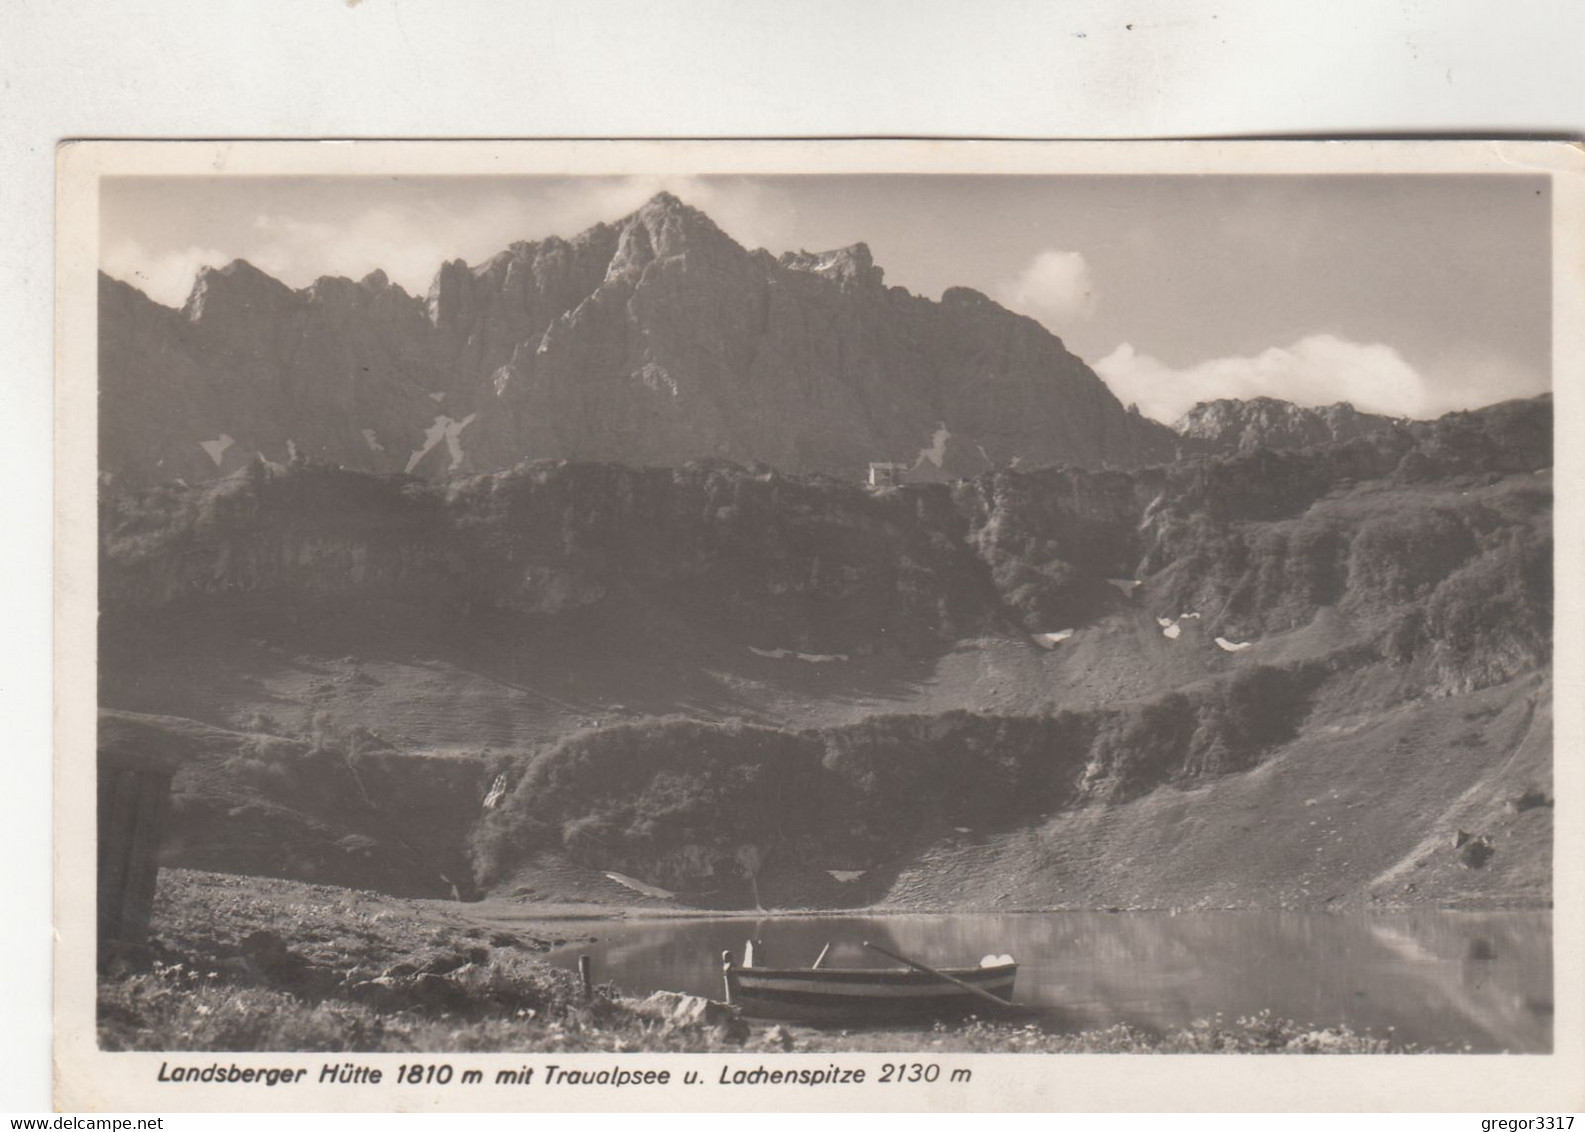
(942, 975)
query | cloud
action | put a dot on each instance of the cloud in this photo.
(1474, 373)
(166, 277)
(1321, 369)
(407, 243)
(1054, 287)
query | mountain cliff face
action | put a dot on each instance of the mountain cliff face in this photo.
(814, 564)
(655, 340)
(1257, 543)
(249, 366)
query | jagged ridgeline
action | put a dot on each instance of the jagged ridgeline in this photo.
(735, 683)
(654, 340)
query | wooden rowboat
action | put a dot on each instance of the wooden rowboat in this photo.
(815, 993)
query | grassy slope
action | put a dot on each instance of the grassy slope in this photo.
(1362, 809)
(517, 683)
(513, 683)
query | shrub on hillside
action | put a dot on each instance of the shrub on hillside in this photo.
(1492, 619)
(1051, 537)
(1219, 728)
(1400, 555)
(644, 794)
(677, 802)
(900, 776)
(1138, 747)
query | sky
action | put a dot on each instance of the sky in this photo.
(1406, 295)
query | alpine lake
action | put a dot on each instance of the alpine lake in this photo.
(1477, 982)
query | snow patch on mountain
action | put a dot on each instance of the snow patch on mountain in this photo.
(806, 657)
(937, 451)
(444, 429)
(640, 887)
(217, 448)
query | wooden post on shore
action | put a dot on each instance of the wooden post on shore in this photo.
(586, 975)
(138, 755)
(132, 808)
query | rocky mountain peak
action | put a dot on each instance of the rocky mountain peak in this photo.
(664, 200)
(449, 292)
(666, 228)
(852, 265)
(1267, 422)
(968, 297)
(236, 290)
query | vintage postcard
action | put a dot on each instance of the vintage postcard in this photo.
(842, 625)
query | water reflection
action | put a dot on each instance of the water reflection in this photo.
(1445, 980)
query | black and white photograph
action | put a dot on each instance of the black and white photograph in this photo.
(771, 599)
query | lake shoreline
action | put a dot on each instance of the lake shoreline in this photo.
(240, 963)
(556, 912)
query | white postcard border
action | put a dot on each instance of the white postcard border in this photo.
(88, 1079)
